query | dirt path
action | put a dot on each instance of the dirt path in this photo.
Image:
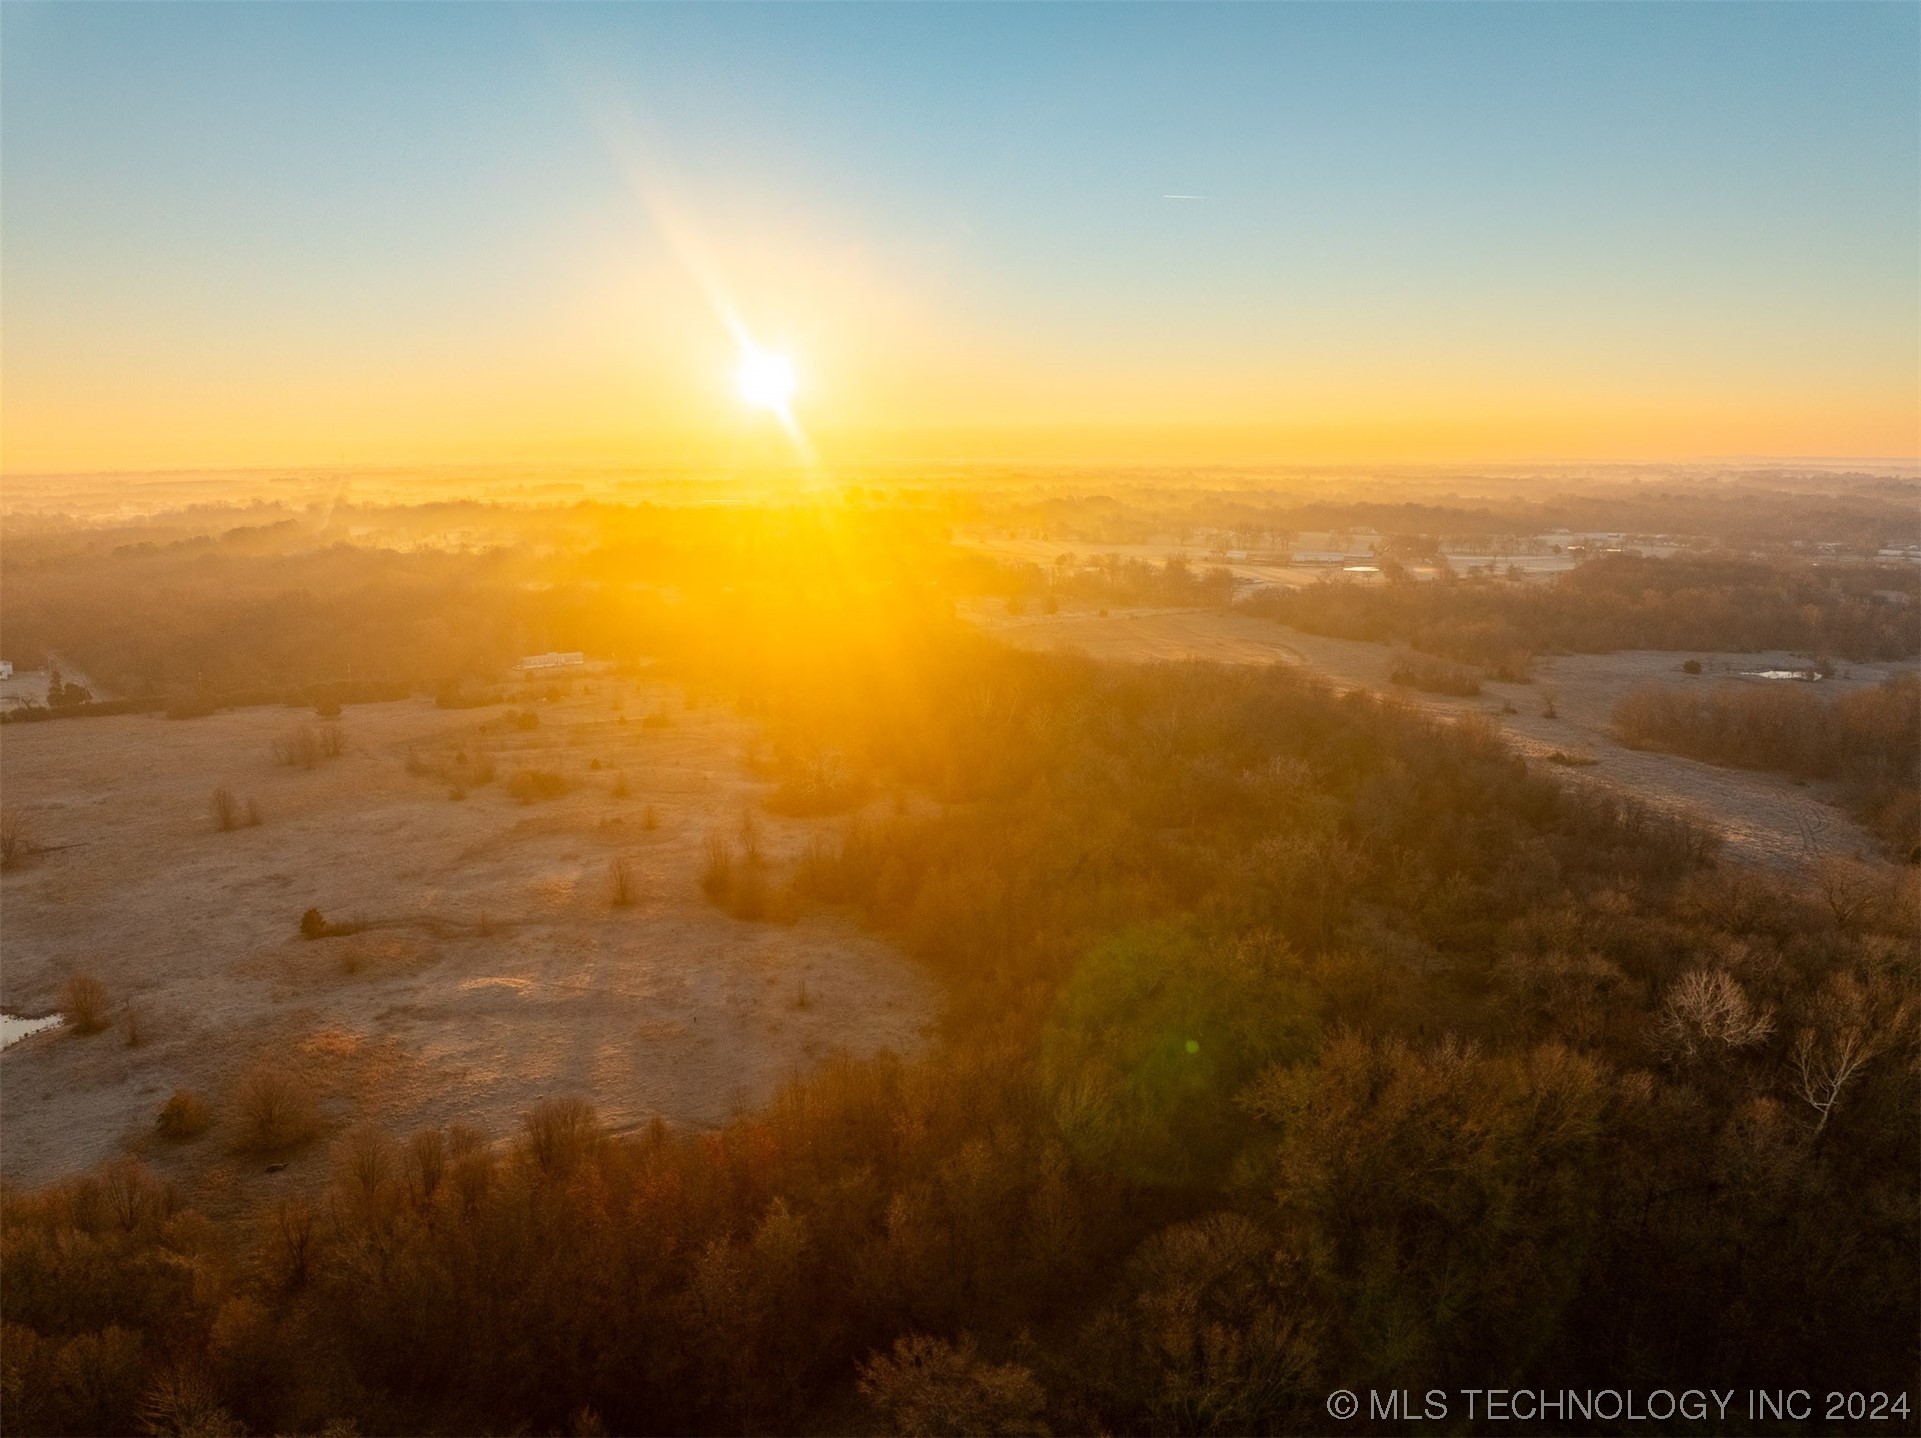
(500, 971)
(1764, 818)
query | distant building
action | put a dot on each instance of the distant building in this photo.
(1318, 556)
(569, 659)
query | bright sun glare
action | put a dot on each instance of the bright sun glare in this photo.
(767, 381)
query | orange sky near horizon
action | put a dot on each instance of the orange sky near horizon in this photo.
(281, 236)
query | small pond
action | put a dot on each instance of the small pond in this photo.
(14, 1028)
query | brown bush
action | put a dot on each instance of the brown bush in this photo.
(531, 786)
(16, 840)
(717, 879)
(183, 1116)
(1434, 676)
(276, 1109)
(225, 808)
(620, 883)
(300, 749)
(84, 1003)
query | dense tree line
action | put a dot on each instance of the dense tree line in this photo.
(1869, 740)
(1776, 510)
(258, 612)
(1624, 602)
(1293, 1042)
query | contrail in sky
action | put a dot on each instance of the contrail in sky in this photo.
(1183, 197)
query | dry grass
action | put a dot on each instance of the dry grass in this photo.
(84, 1003)
(620, 882)
(127, 875)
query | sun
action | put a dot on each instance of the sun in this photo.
(767, 381)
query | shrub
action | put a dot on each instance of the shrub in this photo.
(225, 808)
(84, 1003)
(298, 750)
(749, 898)
(531, 786)
(183, 1116)
(717, 879)
(823, 785)
(313, 925)
(1692, 666)
(277, 1110)
(620, 883)
(327, 709)
(1434, 676)
(16, 842)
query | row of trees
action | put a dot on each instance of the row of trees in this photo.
(1869, 740)
(1294, 1042)
(1624, 602)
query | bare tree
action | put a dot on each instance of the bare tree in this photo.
(1825, 1064)
(1852, 890)
(1707, 1011)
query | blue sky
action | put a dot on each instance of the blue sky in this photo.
(1650, 222)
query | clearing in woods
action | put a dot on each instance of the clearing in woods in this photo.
(495, 968)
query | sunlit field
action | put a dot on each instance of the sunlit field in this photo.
(815, 720)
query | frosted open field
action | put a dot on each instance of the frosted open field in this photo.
(495, 970)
